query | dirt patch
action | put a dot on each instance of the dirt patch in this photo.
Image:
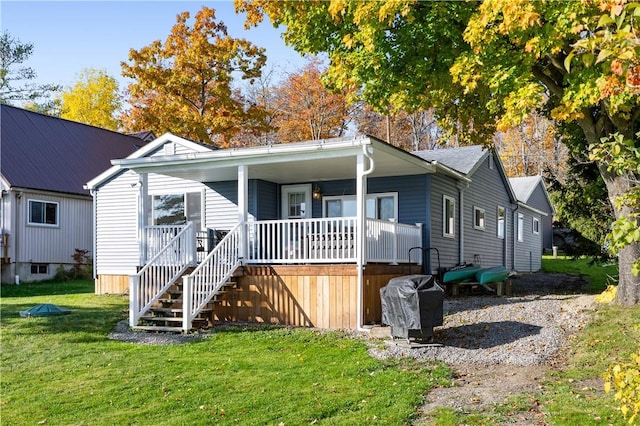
(480, 387)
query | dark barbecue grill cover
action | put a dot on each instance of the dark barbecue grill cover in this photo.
(412, 302)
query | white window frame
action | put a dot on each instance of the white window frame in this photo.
(501, 222)
(49, 225)
(479, 218)
(305, 206)
(151, 216)
(520, 227)
(370, 197)
(535, 226)
(446, 220)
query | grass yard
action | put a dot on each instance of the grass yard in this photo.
(64, 370)
(600, 274)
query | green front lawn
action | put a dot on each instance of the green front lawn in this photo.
(64, 370)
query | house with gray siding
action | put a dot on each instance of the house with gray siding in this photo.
(531, 190)
(481, 224)
(307, 232)
(45, 212)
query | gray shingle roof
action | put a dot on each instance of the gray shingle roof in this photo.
(38, 151)
(523, 186)
(462, 159)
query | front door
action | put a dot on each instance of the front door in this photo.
(296, 204)
(296, 201)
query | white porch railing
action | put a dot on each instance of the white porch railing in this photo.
(390, 242)
(320, 240)
(166, 265)
(209, 276)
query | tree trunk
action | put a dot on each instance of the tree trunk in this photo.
(628, 285)
(628, 292)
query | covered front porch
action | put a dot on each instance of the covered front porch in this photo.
(302, 226)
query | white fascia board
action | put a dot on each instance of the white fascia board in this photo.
(4, 183)
(248, 156)
(141, 153)
(528, 207)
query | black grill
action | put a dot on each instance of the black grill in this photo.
(412, 306)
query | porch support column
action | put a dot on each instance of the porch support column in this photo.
(243, 203)
(361, 190)
(143, 207)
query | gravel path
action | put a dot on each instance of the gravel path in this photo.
(483, 330)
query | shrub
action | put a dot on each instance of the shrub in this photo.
(82, 267)
(625, 380)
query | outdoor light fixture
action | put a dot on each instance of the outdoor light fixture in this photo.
(316, 192)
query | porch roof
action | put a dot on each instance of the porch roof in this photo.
(286, 163)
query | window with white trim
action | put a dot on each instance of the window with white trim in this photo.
(501, 222)
(448, 216)
(520, 227)
(43, 213)
(478, 218)
(536, 225)
(176, 209)
(383, 206)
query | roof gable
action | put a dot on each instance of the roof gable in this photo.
(53, 154)
(146, 151)
(524, 187)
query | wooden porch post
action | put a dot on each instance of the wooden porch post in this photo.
(243, 203)
(143, 201)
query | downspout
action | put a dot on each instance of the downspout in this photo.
(93, 193)
(461, 187)
(515, 237)
(362, 187)
(16, 240)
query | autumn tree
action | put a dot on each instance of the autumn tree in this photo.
(184, 85)
(93, 100)
(533, 147)
(410, 131)
(16, 81)
(260, 93)
(306, 110)
(486, 65)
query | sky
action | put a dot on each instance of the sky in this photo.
(69, 36)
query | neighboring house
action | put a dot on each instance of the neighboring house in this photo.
(45, 213)
(309, 231)
(531, 191)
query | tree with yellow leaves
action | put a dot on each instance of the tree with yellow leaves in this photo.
(93, 100)
(485, 66)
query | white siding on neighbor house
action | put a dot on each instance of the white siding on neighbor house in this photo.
(487, 191)
(54, 244)
(448, 247)
(528, 252)
(7, 221)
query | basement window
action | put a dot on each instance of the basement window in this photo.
(39, 268)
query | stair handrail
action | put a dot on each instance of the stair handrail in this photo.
(160, 273)
(201, 285)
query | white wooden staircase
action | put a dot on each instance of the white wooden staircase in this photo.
(166, 314)
(171, 293)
